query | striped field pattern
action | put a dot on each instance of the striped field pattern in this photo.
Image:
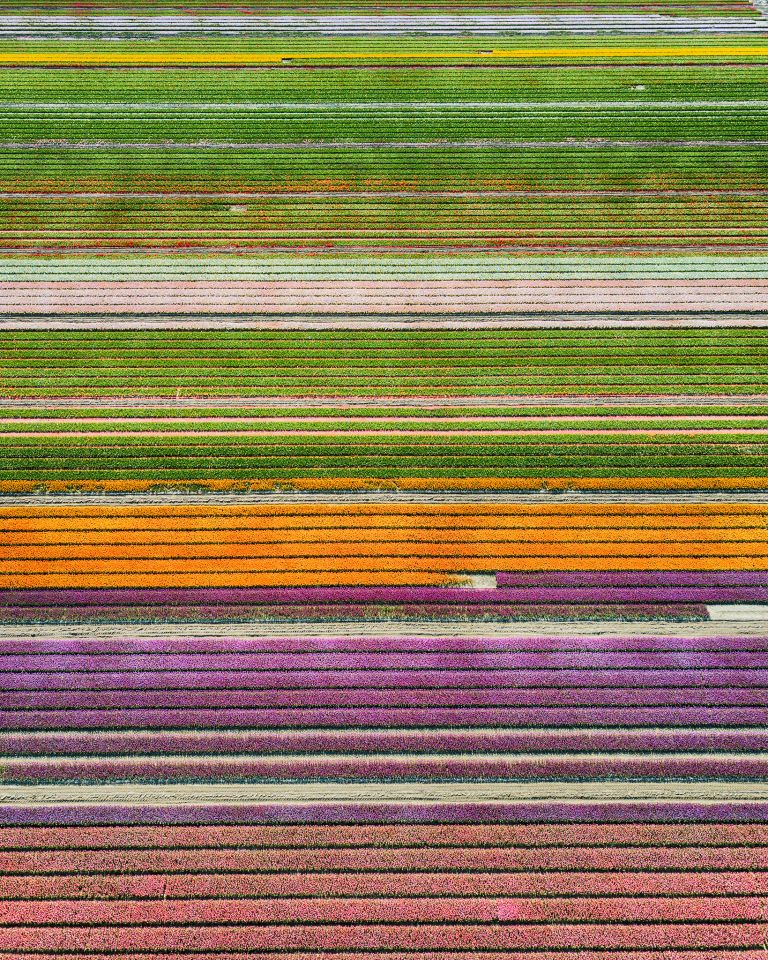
(384, 480)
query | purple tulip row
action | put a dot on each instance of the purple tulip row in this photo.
(742, 586)
(488, 696)
(223, 769)
(362, 642)
(266, 813)
(461, 717)
(382, 741)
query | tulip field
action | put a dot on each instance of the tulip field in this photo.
(384, 480)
